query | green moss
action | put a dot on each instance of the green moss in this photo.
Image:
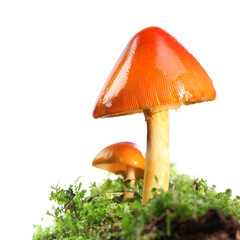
(104, 214)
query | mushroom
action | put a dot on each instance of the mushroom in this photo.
(122, 157)
(154, 73)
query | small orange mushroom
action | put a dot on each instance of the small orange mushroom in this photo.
(122, 157)
(154, 73)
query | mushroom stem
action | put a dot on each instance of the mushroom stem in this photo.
(130, 176)
(157, 165)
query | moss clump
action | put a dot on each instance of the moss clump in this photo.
(104, 215)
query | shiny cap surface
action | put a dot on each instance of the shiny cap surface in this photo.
(153, 70)
(117, 157)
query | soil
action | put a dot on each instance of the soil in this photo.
(214, 225)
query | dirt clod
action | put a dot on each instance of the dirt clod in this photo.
(214, 225)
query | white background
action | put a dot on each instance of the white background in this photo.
(55, 57)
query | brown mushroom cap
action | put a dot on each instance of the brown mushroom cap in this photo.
(117, 157)
(154, 71)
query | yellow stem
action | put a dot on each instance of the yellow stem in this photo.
(157, 165)
(130, 175)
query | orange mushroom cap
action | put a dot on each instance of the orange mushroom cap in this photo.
(153, 70)
(117, 157)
